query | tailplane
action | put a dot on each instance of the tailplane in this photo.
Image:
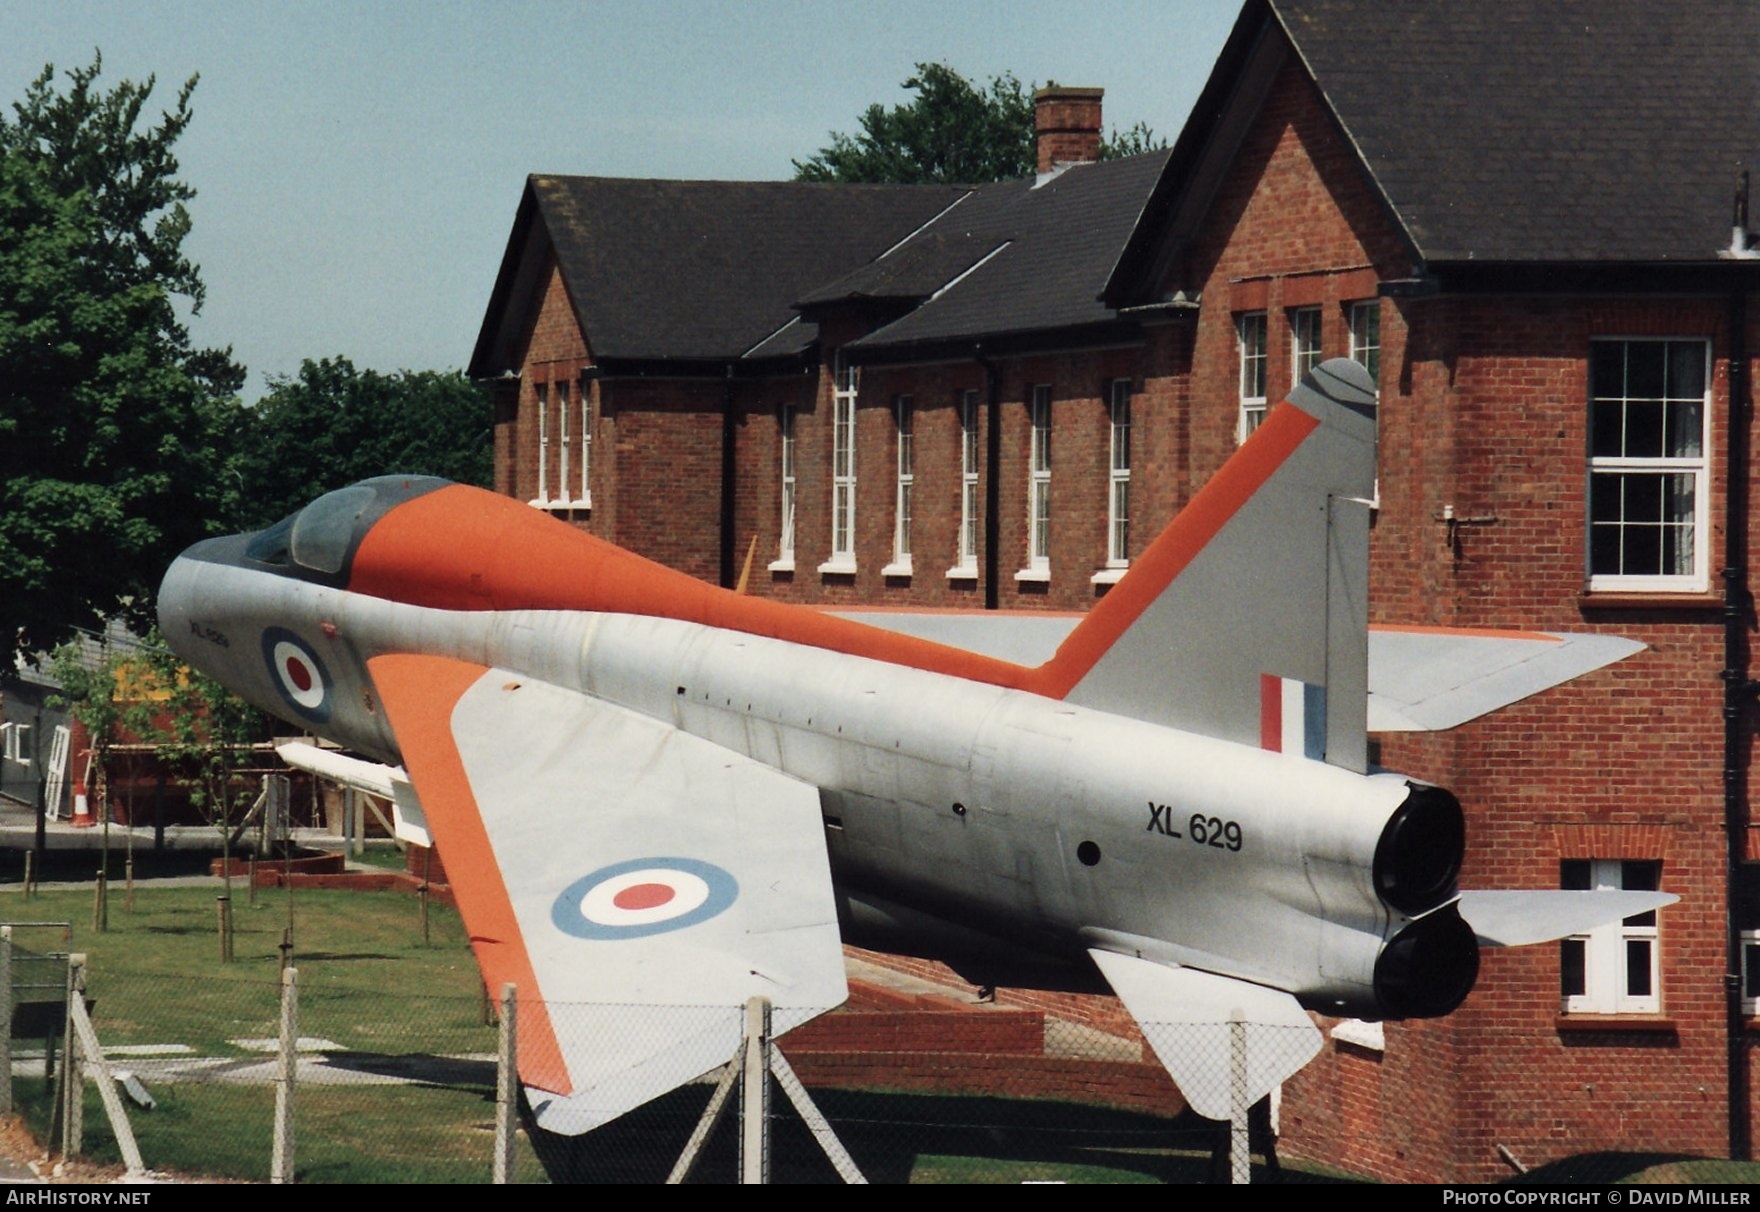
(1247, 619)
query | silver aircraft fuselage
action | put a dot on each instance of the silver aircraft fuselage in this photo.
(963, 819)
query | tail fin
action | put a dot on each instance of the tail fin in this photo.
(1247, 619)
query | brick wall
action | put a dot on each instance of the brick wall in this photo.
(1483, 410)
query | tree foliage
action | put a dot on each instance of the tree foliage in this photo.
(203, 734)
(953, 132)
(112, 424)
(331, 425)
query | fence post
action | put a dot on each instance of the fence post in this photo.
(754, 1095)
(5, 1020)
(281, 1163)
(1240, 1158)
(87, 1036)
(73, 1067)
(506, 1085)
(223, 908)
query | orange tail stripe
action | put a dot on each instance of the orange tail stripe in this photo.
(419, 694)
(466, 549)
(1177, 546)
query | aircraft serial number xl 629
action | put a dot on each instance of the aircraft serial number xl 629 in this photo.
(657, 799)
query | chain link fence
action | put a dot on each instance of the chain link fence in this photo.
(398, 1084)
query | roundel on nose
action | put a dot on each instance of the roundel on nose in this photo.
(297, 674)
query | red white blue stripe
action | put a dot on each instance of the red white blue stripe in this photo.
(1292, 716)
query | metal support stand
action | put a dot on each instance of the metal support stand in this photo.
(681, 1169)
(757, 1059)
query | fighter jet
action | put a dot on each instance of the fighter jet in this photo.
(657, 798)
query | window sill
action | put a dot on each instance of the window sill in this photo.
(1648, 1024)
(1109, 575)
(838, 567)
(1625, 599)
(1039, 576)
(898, 568)
(559, 504)
(786, 565)
(964, 572)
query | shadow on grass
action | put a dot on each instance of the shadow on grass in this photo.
(454, 1072)
(1611, 1167)
(905, 1138)
(73, 865)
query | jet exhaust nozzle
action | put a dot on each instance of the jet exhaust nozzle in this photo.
(1418, 858)
(1429, 967)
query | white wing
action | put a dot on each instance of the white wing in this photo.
(1421, 679)
(637, 883)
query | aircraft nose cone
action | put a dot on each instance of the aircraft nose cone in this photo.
(182, 596)
(176, 600)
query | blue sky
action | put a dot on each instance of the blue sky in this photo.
(358, 164)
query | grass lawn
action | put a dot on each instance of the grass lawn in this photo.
(157, 978)
(380, 1134)
(367, 983)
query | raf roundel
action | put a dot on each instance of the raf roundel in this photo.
(642, 897)
(297, 673)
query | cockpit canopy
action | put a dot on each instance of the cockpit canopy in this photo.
(320, 540)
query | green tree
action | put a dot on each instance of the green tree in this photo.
(1133, 141)
(953, 132)
(204, 735)
(90, 679)
(332, 425)
(112, 424)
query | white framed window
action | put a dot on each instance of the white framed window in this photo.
(563, 445)
(1613, 969)
(15, 743)
(1751, 972)
(1038, 486)
(966, 564)
(1365, 320)
(904, 416)
(1366, 337)
(585, 497)
(541, 395)
(784, 561)
(1304, 341)
(1250, 333)
(1118, 498)
(846, 381)
(1649, 466)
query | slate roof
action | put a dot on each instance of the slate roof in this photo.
(1544, 130)
(664, 270)
(1033, 259)
(695, 271)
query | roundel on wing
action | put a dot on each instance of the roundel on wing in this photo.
(297, 674)
(642, 897)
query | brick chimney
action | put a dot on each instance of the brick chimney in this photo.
(1067, 122)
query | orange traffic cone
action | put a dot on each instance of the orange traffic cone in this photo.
(82, 804)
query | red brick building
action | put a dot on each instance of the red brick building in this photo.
(1520, 219)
